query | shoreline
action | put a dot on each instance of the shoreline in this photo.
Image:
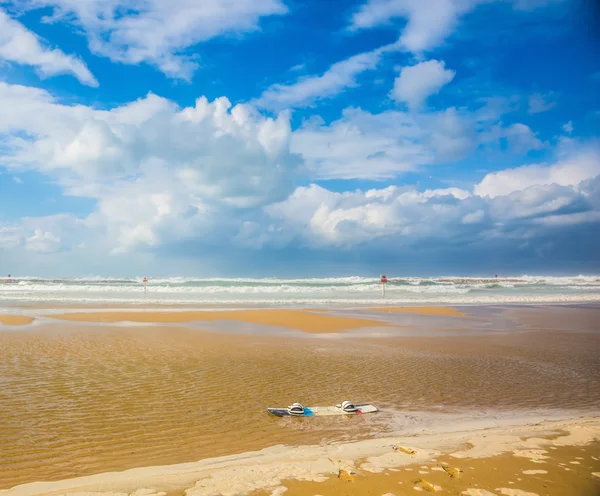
(531, 440)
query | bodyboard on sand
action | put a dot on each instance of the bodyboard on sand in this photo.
(322, 411)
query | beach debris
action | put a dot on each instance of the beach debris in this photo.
(575, 463)
(148, 492)
(404, 449)
(505, 491)
(478, 492)
(596, 474)
(534, 472)
(346, 475)
(453, 472)
(426, 486)
(535, 455)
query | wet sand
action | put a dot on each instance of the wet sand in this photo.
(78, 399)
(423, 310)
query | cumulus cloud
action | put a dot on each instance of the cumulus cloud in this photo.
(158, 173)
(367, 145)
(21, 46)
(571, 171)
(42, 242)
(405, 216)
(218, 174)
(418, 82)
(156, 31)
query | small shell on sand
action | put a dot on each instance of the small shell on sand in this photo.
(453, 472)
(534, 472)
(514, 492)
(345, 475)
(404, 449)
(427, 486)
(477, 492)
(575, 463)
(596, 474)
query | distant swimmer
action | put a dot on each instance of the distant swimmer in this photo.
(145, 281)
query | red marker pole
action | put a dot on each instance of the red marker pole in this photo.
(383, 281)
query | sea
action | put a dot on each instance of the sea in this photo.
(328, 291)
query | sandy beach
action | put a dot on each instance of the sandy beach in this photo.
(179, 397)
(15, 320)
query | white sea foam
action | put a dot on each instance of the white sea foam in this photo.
(353, 290)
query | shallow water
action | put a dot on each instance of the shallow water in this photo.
(78, 400)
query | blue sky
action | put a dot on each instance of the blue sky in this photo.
(279, 137)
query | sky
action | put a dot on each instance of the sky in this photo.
(299, 138)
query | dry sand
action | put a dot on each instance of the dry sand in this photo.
(294, 319)
(302, 320)
(15, 320)
(467, 462)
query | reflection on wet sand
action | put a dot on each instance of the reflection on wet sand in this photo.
(77, 400)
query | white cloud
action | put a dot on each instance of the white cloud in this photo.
(43, 242)
(310, 89)
(318, 217)
(540, 103)
(568, 127)
(158, 173)
(18, 180)
(21, 46)
(157, 32)
(364, 145)
(418, 82)
(521, 138)
(568, 172)
(428, 22)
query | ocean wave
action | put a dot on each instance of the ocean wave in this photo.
(409, 299)
(302, 291)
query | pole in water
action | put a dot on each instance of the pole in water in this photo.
(383, 281)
